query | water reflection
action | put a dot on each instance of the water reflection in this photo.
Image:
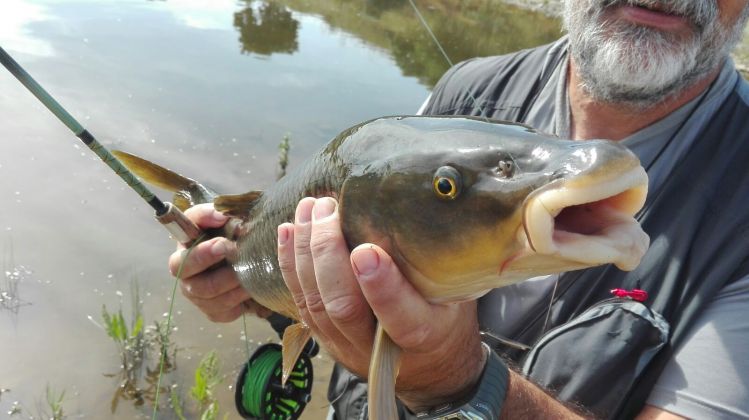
(266, 28)
(375, 8)
(464, 29)
(212, 111)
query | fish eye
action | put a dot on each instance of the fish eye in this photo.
(447, 183)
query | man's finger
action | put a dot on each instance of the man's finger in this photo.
(342, 298)
(401, 310)
(226, 316)
(203, 256)
(227, 303)
(287, 264)
(206, 216)
(305, 272)
(230, 299)
(321, 324)
(211, 283)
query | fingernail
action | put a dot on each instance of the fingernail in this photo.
(324, 207)
(218, 249)
(283, 234)
(304, 211)
(219, 217)
(366, 260)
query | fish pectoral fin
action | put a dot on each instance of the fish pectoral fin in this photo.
(160, 177)
(237, 205)
(295, 337)
(383, 370)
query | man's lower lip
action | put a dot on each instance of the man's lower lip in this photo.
(652, 18)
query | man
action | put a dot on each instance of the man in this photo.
(652, 74)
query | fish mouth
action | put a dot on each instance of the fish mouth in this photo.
(591, 223)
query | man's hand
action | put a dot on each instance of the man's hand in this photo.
(205, 280)
(334, 290)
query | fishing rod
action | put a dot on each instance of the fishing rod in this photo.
(259, 393)
(178, 225)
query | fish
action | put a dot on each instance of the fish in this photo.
(462, 204)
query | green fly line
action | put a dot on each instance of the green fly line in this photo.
(162, 360)
(263, 374)
(254, 392)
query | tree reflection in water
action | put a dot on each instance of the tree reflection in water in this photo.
(266, 28)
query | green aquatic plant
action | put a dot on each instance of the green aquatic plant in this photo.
(54, 404)
(202, 402)
(207, 377)
(283, 155)
(10, 299)
(175, 401)
(128, 338)
(138, 346)
(51, 408)
(15, 409)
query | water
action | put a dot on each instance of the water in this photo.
(208, 88)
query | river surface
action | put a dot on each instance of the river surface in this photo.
(208, 88)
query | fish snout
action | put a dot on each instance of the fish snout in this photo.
(586, 213)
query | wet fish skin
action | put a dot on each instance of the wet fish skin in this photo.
(384, 174)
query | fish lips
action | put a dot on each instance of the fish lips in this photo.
(589, 222)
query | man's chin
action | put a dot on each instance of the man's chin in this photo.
(626, 82)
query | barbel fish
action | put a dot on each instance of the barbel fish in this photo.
(462, 205)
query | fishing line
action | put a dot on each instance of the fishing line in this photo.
(246, 337)
(169, 323)
(429, 30)
(481, 109)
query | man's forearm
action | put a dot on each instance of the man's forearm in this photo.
(525, 400)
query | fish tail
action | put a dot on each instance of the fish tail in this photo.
(383, 370)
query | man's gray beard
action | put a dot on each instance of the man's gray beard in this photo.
(638, 66)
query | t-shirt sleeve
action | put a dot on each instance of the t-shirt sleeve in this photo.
(708, 377)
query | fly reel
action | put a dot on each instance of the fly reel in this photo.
(259, 394)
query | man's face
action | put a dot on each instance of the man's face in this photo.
(639, 52)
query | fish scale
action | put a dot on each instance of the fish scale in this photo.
(256, 262)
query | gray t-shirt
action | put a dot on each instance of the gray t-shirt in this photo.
(708, 376)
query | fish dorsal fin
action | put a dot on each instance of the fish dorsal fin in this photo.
(383, 369)
(187, 192)
(295, 337)
(237, 205)
(153, 173)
